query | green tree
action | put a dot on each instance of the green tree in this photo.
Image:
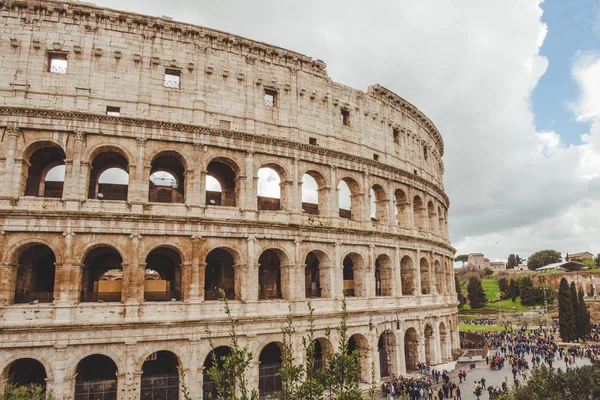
(342, 366)
(311, 387)
(514, 290)
(566, 317)
(291, 374)
(526, 290)
(550, 294)
(542, 258)
(463, 258)
(555, 384)
(588, 262)
(29, 392)
(229, 371)
(458, 289)
(488, 271)
(575, 303)
(476, 294)
(512, 262)
(584, 325)
(504, 287)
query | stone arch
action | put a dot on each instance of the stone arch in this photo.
(167, 177)
(386, 346)
(402, 208)
(441, 224)
(353, 265)
(270, 273)
(313, 202)
(215, 356)
(23, 371)
(220, 274)
(164, 263)
(431, 217)
(439, 277)
(411, 349)
(16, 250)
(160, 376)
(272, 196)
(269, 358)
(35, 277)
(408, 276)
(354, 198)
(443, 341)
(102, 274)
(429, 338)
(425, 276)
(107, 148)
(105, 158)
(96, 377)
(378, 203)
(226, 172)
(447, 273)
(43, 156)
(359, 343)
(419, 213)
(384, 275)
(317, 280)
(323, 350)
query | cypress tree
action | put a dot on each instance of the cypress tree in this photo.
(566, 318)
(574, 299)
(527, 291)
(584, 325)
(514, 290)
(476, 294)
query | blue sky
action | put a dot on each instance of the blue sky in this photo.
(573, 27)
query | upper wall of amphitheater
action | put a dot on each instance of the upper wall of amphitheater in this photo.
(119, 59)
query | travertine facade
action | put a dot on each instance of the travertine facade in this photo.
(110, 282)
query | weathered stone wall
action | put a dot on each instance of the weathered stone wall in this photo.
(216, 116)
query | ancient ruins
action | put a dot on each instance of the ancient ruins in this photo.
(145, 163)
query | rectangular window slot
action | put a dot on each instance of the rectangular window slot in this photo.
(57, 63)
(345, 117)
(396, 136)
(425, 155)
(172, 78)
(375, 157)
(270, 98)
(113, 111)
(312, 141)
(415, 171)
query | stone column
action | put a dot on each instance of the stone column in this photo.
(8, 282)
(133, 274)
(332, 195)
(295, 201)
(193, 290)
(288, 281)
(8, 189)
(397, 288)
(400, 356)
(373, 356)
(369, 278)
(74, 186)
(63, 384)
(250, 276)
(366, 197)
(130, 379)
(337, 284)
(250, 194)
(138, 184)
(437, 344)
(418, 274)
(191, 195)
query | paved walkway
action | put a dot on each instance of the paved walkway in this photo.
(494, 378)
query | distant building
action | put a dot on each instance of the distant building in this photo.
(497, 265)
(476, 261)
(560, 265)
(579, 256)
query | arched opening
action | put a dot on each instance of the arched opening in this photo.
(425, 277)
(46, 173)
(383, 276)
(269, 276)
(25, 372)
(419, 213)
(349, 199)
(407, 273)
(441, 223)
(215, 358)
(378, 204)
(438, 277)
(359, 343)
(443, 342)
(160, 377)
(269, 190)
(323, 349)
(219, 274)
(269, 380)
(96, 378)
(447, 273)
(102, 275)
(411, 349)
(162, 278)
(312, 276)
(431, 217)
(353, 274)
(109, 177)
(429, 345)
(311, 200)
(385, 347)
(222, 187)
(402, 208)
(167, 179)
(35, 275)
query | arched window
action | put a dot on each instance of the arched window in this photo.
(438, 277)
(46, 172)
(349, 199)
(402, 208)
(162, 278)
(160, 377)
(167, 179)
(215, 358)
(383, 276)
(35, 275)
(385, 347)
(378, 204)
(219, 274)
(419, 213)
(221, 183)
(96, 378)
(269, 191)
(269, 276)
(431, 217)
(310, 195)
(425, 277)
(353, 273)
(411, 349)
(109, 177)
(269, 380)
(407, 272)
(102, 276)
(25, 372)
(359, 343)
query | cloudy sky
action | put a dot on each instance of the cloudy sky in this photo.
(512, 85)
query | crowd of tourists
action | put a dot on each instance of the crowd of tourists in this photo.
(422, 388)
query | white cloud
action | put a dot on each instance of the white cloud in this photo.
(471, 67)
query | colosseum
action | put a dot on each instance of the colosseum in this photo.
(146, 163)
